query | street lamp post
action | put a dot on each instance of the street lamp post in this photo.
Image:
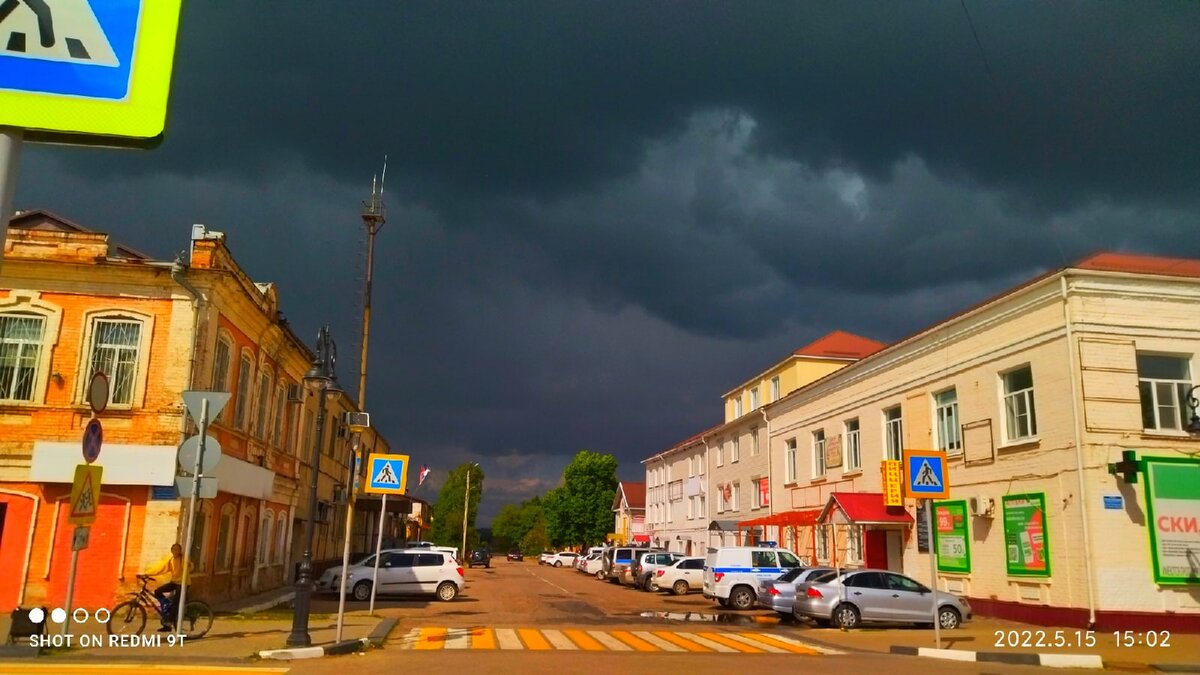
(466, 509)
(321, 380)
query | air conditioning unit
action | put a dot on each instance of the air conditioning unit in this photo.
(357, 419)
(295, 393)
(981, 506)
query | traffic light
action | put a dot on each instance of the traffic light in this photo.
(1128, 468)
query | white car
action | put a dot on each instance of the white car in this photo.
(589, 563)
(563, 558)
(401, 572)
(732, 573)
(685, 574)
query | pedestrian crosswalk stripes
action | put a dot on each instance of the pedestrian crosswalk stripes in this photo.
(632, 641)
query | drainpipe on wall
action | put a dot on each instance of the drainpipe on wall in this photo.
(179, 274)
(1083, 494)
(770, 480)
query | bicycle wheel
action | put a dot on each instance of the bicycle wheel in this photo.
(128, 618)
(197, 619)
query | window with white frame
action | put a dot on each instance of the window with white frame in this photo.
(1163, 382)
(691, 507)
(775, 389)
(893, 427)
(761, 498)
(281, 538)
(818, 446)
(225, 532)
(853, 446)
(720, 452)
(822, 542)
(21, 338)
(668, 509)
(790, 460)
(702, 509)
(854, 544)
(1020, 416)
(737, 406)
(701, 464)
(737, 495)
(735, 450)
(754, 447)
(116, 352)
(241, 407)
(691, 467)
(946, 416)
(754, 398)
(261, 423)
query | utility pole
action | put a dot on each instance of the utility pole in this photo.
(373, 219)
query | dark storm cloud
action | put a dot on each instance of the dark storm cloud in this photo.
(602, 216)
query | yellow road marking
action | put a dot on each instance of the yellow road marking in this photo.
(533, 639)
(767, 639)
(584, 640)
(676, 638)
(717, 637)
(482, 638)
(635, 642)
(431, 638)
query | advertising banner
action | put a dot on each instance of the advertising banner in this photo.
(1173, 497)
(833, 452)
(1025, 535)
(950, 536)
(893, 482)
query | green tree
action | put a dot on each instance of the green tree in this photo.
(535, 541)
(517, 520)
(448, 510)
(580, 510)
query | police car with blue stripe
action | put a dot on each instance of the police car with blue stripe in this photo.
(732, 573)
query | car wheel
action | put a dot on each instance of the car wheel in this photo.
(362, 591)
(949, 618)
(652, 585)
(723, 602)
(846, 616)
(558, 563)
(742, 598)
(447, 591)
(600, 575)
(680, 587)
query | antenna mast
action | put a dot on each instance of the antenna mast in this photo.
(373, 219)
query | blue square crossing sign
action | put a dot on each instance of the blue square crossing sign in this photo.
(87, 66)
(387, 474)
(926, 475)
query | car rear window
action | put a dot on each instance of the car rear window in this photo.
(822, 577)
(429, 560)
(791, 574)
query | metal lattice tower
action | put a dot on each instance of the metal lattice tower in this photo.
(373, 219)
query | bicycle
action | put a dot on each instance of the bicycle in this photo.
(129, 617)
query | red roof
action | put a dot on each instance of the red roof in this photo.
(635, 494)
(1141, 264)
(864, 507)
(800, 518)
(841, 345)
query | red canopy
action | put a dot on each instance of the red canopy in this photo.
(865, 508)
(799, 518)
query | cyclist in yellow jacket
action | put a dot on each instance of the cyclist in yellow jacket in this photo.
(166, 593)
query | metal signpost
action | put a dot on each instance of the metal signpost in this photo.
(82, 72)
(388, 476)
(356, 441)
(85, 489)
(927, 477)
(202, 406)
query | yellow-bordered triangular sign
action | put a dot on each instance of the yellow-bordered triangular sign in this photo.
(85, 494)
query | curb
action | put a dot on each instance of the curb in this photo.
(266, 604)
(1016, 658)
(1176, 667)
(379, 635)
(343, 647)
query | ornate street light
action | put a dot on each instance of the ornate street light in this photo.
(1193, 426)
(321, 380)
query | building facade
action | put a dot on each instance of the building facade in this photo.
(1032, 395)
(629, 514)
(73, 303)
(676, 497)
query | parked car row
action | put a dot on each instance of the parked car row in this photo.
(745, 577)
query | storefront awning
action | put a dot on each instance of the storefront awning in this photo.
(862, 508)
(641, 538)
(723, 526)
(799, 518)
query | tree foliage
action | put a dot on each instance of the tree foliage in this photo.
(579, 512)
(448, 510)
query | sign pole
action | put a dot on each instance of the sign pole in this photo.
(341, 618)
(378, 549)
(937, 629)
(10, 160)
(191, 520)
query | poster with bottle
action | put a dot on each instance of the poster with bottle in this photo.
(1025, 535)
(950, 534)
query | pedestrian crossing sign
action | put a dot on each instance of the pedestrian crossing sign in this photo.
(387, 474)
(926, 475)
(94, 67)
(85, 494)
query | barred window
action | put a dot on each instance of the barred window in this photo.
(115, 350)
(20, 348)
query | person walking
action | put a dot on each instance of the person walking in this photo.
(166, 593)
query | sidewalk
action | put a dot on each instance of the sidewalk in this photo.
(983, 635)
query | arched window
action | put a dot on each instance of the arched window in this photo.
(222, 363)
(281, 542)
(117, 344)
(225, 533)
(200, 533)
(28, 332)
(264, 537)
(263, 407)
(241, 407)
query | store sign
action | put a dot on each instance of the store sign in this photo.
(833, 452)
(950, 534)
(1028, 552)
(893, 482)
(1173, 496)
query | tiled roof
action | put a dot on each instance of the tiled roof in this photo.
(1141, 264)
(841, 345)
(865, 507)
(635, 494)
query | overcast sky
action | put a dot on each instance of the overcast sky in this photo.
(602, 216)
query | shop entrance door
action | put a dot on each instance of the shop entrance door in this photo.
(875, 549)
